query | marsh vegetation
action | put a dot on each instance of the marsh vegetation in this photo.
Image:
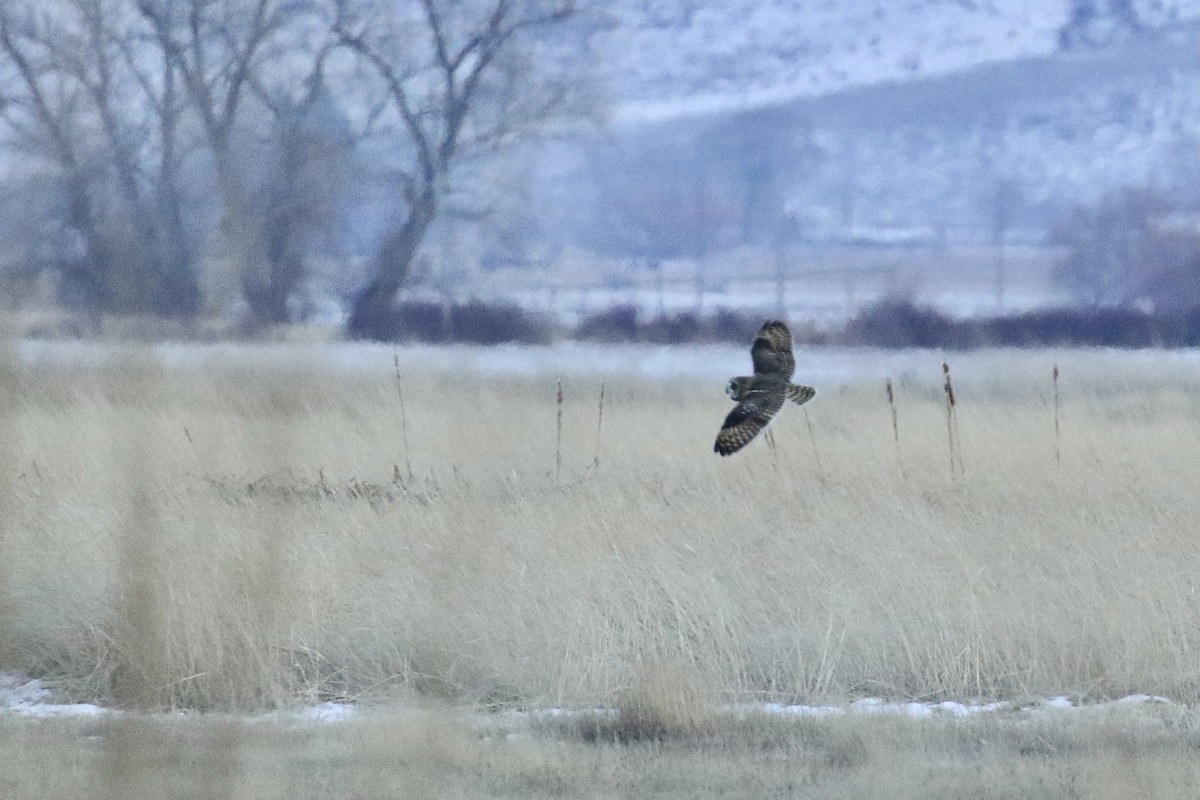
(231, 538)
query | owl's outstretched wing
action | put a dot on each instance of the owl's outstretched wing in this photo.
(799, 394)
(772, 350)
(748, 418)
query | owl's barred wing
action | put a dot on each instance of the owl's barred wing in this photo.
(799, 394)
(772, 350)
(748, 418)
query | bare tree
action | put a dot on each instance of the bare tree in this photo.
(81, 104)
(658, 202)
(162, 121)
(137, 121)
(45, 109)
(178, 249)
(1169, 269)
(457, 77)
(296, 201)
(221, 50)
(1001, 200)
(1120, 251)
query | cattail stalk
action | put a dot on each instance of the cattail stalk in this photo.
(891, 397)
(952, 421)
(599, 428)
(403, 419)
(558, 439)
(1057, 439)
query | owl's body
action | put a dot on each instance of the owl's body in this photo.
(760, 396)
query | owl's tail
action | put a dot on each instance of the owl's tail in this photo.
(800, 394)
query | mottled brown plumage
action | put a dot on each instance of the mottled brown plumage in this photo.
(760, 396)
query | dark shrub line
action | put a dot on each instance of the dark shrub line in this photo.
(472, 322)
(902, 324)
(624, 323)
(889, 323)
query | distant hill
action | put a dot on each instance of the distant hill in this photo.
(667, 57)
(1004, 117)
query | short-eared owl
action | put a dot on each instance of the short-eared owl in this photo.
(761, 395)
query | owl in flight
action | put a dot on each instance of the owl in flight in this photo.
(761, 395)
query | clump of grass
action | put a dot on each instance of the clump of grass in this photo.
(666, 699)
(285, 487)
(141, 674)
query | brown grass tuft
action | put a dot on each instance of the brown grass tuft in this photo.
(666, 699)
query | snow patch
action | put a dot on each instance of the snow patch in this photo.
(16, 690)
(329, 712)
(22, 696)
(1058, 702)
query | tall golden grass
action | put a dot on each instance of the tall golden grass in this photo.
(232, 536)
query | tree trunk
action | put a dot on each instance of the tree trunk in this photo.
(268, 300)
(371, 314)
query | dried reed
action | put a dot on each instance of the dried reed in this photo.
(599, 428)
(403, 419)
(891, 397)
(558, 438)
(952, 423)
(812, 437)
(1057, 438)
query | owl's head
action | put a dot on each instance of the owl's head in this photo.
(737, 387)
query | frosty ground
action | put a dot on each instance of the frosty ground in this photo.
(1135, 747)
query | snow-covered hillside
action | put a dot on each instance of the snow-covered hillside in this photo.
(928, 119)
(666, 57)
(931, 123)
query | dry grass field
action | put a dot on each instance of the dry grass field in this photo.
(234, 538)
